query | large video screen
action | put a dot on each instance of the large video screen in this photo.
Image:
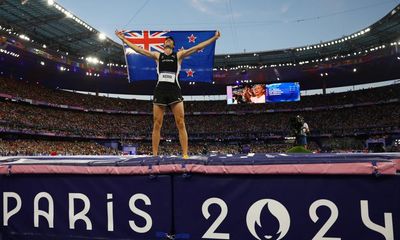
(283, 92)
(261, 93)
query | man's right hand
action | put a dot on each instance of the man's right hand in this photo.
(217, 34)
(119, 34)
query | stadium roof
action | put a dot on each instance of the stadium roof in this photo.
(46, 22)
(382, 32)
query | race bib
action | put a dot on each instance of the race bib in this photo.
(166, 77)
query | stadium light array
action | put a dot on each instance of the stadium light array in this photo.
(347, 38)
(302, 62)
(324, 74)
(13, 54)
(24, 37)
(70, 15)
(102, 36)
(92, 60)
(115, 65)
(89, 74)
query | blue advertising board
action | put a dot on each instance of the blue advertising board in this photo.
(287, 207)
(184, 206)
(85, 207)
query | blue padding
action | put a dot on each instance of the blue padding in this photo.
(182, 236)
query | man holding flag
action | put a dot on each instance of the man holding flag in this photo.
(168, 91)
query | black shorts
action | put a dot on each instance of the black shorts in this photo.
(167, 94)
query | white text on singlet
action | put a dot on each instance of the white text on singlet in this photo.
(166, 77)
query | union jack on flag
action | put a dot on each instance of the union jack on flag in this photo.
(149, 40)
(198, 67)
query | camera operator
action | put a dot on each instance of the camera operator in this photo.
(302, 137)
(300, 129)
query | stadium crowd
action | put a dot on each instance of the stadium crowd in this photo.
(42, 147)
(380, 114)
(344, 121)
(199, 148)
(38, 92)
(36, 147)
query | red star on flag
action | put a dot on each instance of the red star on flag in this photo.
(189, 73)
(192, 38)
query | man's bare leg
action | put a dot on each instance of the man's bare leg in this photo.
(158, 116)
(179, 115)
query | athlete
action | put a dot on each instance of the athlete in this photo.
(259, 94)
(168, 91)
